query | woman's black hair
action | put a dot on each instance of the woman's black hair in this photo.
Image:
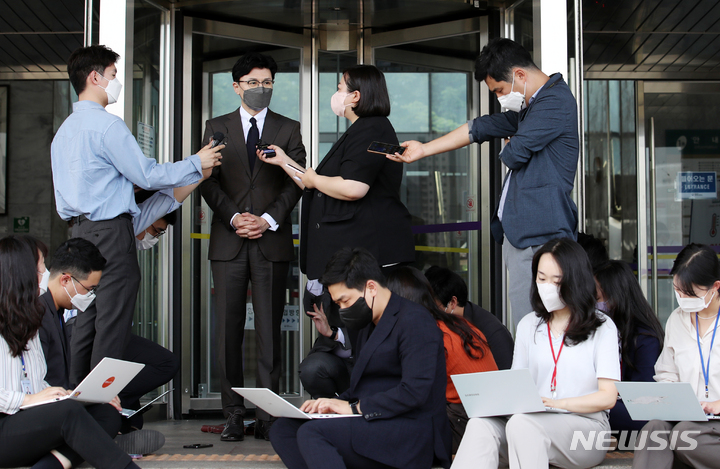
(695, 265)
(628, 308)
(411, 284)
(577, 288)
(39, 247)
(370, 82)
(20, 310)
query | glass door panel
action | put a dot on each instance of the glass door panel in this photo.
(683, 139)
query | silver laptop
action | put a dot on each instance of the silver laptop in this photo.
(279, 407)
(104, 382)
(127, 413)
(674, 402)
(498, 393)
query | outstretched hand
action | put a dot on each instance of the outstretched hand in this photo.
(414, 151)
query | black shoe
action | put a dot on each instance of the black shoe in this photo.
(262, 430)
(233, 428)
(141, 441)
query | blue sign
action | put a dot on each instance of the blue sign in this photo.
(697, 185)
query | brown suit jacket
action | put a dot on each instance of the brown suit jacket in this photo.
(232, 189)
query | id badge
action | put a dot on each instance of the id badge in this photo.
(26, 386)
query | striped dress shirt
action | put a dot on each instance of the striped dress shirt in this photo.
(11, 394)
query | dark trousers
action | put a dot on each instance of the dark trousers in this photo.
(324, 374)
(458, 422)
(319, 444)
(269, 281)
(103, 329)
(161, 365)
(65, 426)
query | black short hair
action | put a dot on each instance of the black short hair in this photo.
(77, 257)
(37, 246)
(696, 264)
(370, 82)
(594, 248)
(577, 288)
(446, 284)
(170, 218)
(498, 58)
(352, 267)
(86, 60)
(251, 60)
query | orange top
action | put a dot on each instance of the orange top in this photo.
(458, 362)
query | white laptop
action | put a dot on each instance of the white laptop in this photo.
(498, 393)
(130, 412)
(279, 407)
(104, 382)
(674, 402)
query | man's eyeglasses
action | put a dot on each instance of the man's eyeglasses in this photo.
(89, 290)
(256, 83)
(158, 232)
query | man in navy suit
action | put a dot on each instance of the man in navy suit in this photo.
(540, 128)
(397, 387)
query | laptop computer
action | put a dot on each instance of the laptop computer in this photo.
(103, 383)
(127, 413)
(279, 407)
(498, 393)
(674, 402)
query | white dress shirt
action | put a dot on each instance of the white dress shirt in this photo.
(11, 394)
(260, 122)
(679, 360)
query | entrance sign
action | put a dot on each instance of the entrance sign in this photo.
(696, 185)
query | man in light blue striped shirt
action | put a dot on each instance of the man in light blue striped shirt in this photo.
(95, 162)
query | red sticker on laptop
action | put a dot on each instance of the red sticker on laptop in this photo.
(108, 382)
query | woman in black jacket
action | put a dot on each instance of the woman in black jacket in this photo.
(353, 197)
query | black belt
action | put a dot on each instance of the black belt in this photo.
(81, 218)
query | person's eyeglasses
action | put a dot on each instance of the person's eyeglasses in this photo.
(256, 83)
(158, 232)
(89, 290)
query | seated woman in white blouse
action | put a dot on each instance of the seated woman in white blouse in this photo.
(51, 436)
(571, 351)
(690, 329)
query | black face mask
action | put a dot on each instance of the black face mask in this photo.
(358, 315)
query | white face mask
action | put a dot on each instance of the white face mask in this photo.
(550, 296)
(81, 302)
(148, 242)
(337, 103)
(113, 89)
(693, 305)
(44, 281)
(514, 100)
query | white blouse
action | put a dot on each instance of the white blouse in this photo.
(679, 360)
(11, 394)
(579, 366)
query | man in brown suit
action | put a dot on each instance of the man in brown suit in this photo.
(251, 234)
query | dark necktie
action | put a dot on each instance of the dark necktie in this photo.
(252, 139)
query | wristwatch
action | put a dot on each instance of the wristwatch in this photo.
(353, 406)
(334, 332)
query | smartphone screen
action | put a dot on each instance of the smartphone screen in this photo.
(385, 148)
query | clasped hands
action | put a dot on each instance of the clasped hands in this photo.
(250, 226)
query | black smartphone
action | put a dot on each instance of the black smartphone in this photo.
(266, 151)
(385, 148)
(197, 446)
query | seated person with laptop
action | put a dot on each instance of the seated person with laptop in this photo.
(571, 351)
(397, 384)
(689, 356)
(56, 435)
(75, 271)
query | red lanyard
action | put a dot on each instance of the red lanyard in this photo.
(553, 381)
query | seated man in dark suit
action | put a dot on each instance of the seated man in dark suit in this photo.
(75, 272)
(397, 386)
(452, 291)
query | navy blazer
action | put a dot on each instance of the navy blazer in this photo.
(543, 156)
(55, 343)
(399, 378)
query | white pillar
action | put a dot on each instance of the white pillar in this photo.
(550, 36)
(116, 32)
